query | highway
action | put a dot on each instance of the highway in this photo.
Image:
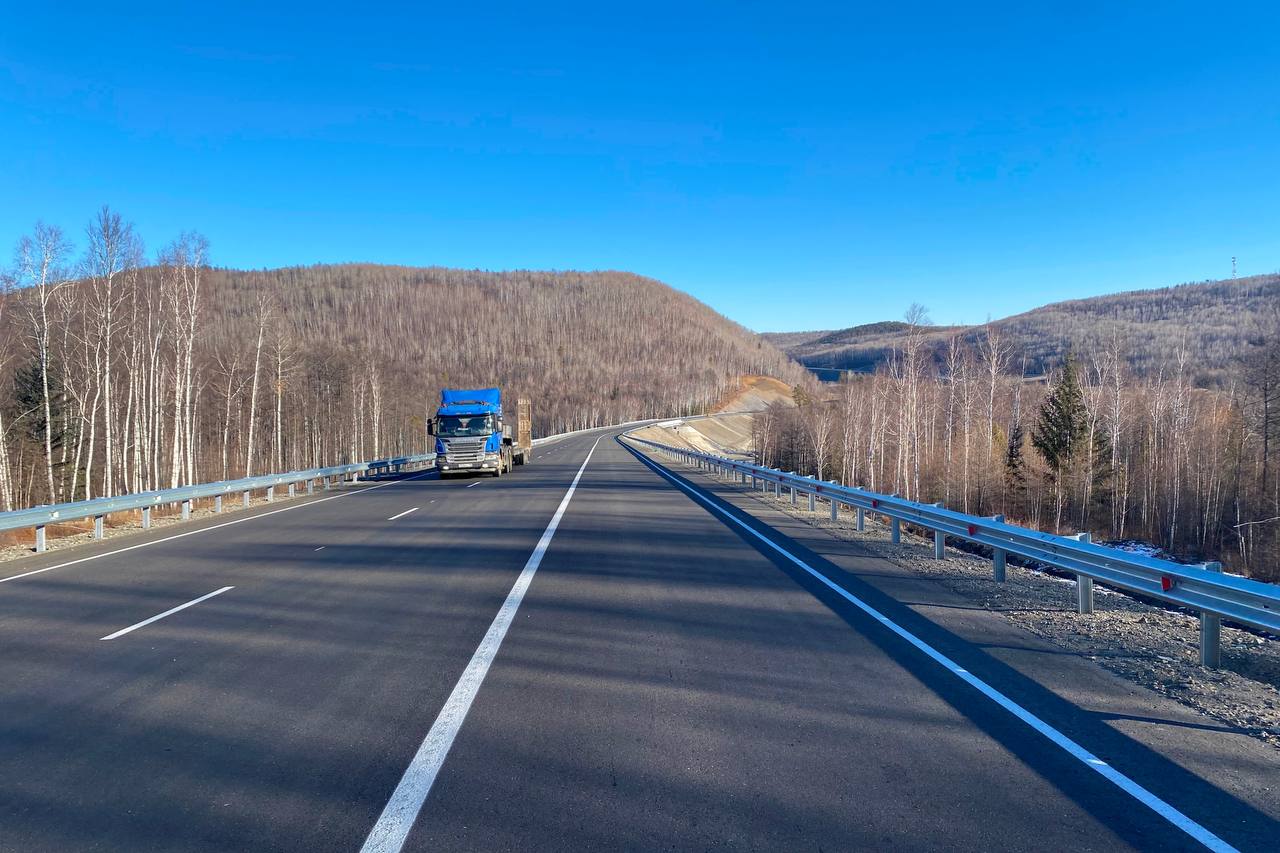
(581, 655)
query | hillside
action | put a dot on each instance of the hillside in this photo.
(587, 347)
(350, 360)
(1210, 320)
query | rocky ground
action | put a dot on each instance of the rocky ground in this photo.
(1156, 648)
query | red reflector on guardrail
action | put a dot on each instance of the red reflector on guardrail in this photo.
(875, 503)
(1166, 583)
(973, 528)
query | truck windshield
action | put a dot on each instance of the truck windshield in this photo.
(454, 426)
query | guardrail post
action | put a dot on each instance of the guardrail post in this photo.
(1084, 586)
(244, 500)
(835, 510)
(292, 491)
(186, 510)
(97, 526)
(41, 544)
(895, 531)
(860, 520)
(793, 495)
(271, 494)
(328, 483)
(939, 542)
(311, 487)
(812, 501)
(146, 518)
(217, 503)
(1211, 631)
(998, 557)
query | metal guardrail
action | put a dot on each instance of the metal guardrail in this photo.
(547, 439)
(1203, 589)
(98, 508)
(42, 516)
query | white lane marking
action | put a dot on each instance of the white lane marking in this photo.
(1124, 783)
(206, 529)
(402, 514)
(389, 833)
(476, 483)
(168, 612)
(322, 547)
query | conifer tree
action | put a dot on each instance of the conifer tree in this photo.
(1061, 431)
(1015, 467)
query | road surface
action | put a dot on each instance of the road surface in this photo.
(356, 671)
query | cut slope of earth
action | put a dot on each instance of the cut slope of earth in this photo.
(730, 432)
(755, 394)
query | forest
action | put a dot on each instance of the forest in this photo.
(1091, 447)
(122, 371)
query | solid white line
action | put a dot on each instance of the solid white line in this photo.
(402, 514)
(389, 833)
(169, 612)
(322, 547)
(1130, 787)
(476, 483)
(207, 529)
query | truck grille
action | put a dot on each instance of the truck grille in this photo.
(459, 451)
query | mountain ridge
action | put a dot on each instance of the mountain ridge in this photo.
(1209, 320)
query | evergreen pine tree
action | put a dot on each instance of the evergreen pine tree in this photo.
(26, 408)
(1061, 429)
(1015, 467)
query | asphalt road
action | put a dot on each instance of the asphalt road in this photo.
(668, 681)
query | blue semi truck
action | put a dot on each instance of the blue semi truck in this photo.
(472, 436)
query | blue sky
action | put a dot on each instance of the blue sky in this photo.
(795, 166)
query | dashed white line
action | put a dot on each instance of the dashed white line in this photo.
(476, 483)
(402, 514)
(389, 833)
(168, 612)
(1108, 772)
(322, 547)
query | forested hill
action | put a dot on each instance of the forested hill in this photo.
(177, 372)
(588, 348)
(1210, 321)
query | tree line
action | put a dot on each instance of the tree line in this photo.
(1090, 448)
(123, 371)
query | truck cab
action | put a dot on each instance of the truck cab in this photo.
(472, 437)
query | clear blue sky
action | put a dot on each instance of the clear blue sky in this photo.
(794, 166)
